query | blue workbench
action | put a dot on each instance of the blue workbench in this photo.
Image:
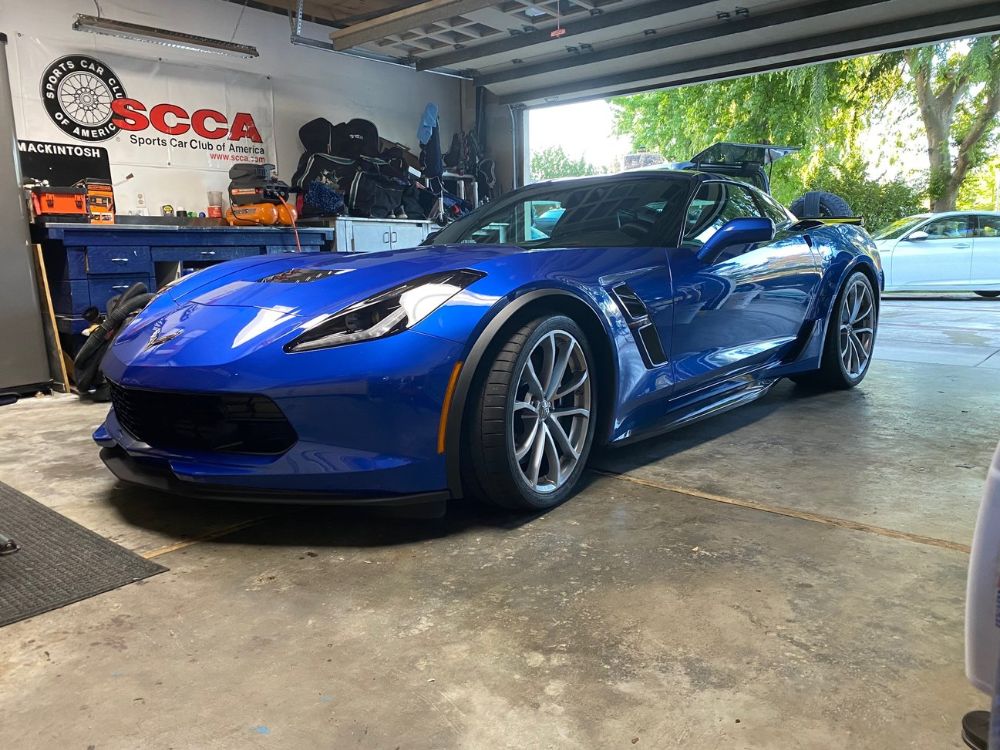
(88, 264)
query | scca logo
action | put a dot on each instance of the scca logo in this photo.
(85, 98)
(130, 114)
(78, 92)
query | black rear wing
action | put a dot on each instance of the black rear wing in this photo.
(741, 154)
(812, 222)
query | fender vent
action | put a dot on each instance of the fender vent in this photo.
(629, 301)
(651, 342)
(637, 315)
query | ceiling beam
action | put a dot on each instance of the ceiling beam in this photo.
(980, 19)
(666, 41)
(523, 40)
(403, 20)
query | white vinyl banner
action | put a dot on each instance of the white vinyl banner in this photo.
(147, 113)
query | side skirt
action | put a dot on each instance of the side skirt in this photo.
(701, 410)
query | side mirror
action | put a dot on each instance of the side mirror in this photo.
(737, 232)
(917, 236)
(429, 239)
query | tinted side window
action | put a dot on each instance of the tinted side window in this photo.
(989, 226)
(949, 227)
(714, 205)
(773, 210)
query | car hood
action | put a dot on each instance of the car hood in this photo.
(310, 283)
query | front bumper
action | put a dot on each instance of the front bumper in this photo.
(366, 419)
(159, 477)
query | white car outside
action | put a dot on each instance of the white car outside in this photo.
(958, 251)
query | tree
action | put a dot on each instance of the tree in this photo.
(957, 89)
(553, 162)
(981, 189)
(822, 108)
(826, 109)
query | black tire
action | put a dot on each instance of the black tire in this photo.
(832, 373)
(989, 295)
(818, 204)
(491, 472)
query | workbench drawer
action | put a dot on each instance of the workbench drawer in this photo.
(70, 297)
(118, 260)
(101, 290)
(190, 254)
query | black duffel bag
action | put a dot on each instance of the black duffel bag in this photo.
(370, 195)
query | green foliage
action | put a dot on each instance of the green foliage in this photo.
(879, 203)
(826, 109)
(957, 88)
(981, 188)
(821, 108)
(553, 162)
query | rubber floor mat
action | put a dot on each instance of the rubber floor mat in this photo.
(60, 562)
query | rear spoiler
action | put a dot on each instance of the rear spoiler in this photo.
(818, 221)
(741, 154)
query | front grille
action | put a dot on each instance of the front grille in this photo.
(228, 423)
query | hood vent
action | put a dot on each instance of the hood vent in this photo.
(302, 275)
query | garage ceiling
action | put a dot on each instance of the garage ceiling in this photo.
(554, 51)
(337, 12)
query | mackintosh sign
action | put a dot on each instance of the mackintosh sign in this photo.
(146, 112)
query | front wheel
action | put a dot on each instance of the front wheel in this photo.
(533, 417)
(850, 337)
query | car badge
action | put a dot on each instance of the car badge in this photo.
(161, 338)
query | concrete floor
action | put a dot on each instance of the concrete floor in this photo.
(790, 574)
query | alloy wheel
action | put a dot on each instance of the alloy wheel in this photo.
(551, 411)
(857, 328)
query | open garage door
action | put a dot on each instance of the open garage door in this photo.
(546, 51)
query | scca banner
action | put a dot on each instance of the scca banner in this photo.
(145, 112)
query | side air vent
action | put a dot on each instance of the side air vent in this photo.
(651, 342)
(629, 301)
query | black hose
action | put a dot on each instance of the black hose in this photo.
(87, 363)
(136, 289)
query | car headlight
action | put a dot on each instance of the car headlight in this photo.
(384, 314)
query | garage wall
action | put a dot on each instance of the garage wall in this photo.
(306, 83)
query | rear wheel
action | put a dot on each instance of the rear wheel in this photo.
(988, 295)
(850, 337)
(532, 425)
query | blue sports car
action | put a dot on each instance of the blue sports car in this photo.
(489, 362)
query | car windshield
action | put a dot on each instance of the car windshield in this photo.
(899, 227)
(627, 212)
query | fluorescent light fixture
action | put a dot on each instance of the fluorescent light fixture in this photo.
(176, 39)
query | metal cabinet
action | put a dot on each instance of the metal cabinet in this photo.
(354, 235)
(23, 361)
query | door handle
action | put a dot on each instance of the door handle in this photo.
(385, 238)
(962, 245)
(119, 260)
(394, 237)
(208, 252)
